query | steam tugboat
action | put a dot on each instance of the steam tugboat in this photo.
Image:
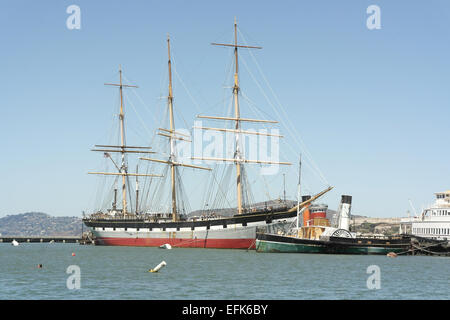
(316, 235)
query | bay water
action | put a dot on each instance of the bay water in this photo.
(108, 273)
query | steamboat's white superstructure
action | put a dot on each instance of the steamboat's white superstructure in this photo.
(434, 222)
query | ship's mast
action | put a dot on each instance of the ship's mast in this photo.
(122, 144)
(172, 135)
(238, 158)
(237, 116)
(123, 149)
(123, 168)
(171, 140)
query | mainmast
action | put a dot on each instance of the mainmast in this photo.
(122, 148)
(237, 125)
(238, 158)
(122, 140)
(172, 135)
(172, 129)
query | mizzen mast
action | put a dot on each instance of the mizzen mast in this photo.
(238, 158)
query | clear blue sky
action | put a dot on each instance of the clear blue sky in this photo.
(372, 106)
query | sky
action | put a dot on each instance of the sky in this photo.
(370, 108)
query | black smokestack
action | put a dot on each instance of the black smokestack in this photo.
(346, 199)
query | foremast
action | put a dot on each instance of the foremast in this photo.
(123, 149)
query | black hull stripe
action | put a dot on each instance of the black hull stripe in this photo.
(133, 223)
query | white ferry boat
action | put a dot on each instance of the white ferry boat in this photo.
(434, 222)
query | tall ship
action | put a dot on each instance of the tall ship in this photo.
(120, 225)
(433, 222)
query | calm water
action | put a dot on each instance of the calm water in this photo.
(122, 273)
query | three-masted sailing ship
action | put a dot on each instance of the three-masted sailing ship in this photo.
(123, 227)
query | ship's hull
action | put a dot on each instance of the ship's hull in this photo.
(238, 232)
(276, 243)
(236, 238)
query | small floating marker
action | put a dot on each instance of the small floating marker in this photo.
(14, 243)
(392, 255)
(166, 246)
(73, 254)
(159, 266)
(39, 266)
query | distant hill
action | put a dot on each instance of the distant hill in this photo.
(39, 224)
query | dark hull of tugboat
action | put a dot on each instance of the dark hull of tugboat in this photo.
(237, 232)
(335, 245)
(275, 243)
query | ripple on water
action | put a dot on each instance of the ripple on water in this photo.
(122, 273)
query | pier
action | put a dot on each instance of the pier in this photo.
(62, 239)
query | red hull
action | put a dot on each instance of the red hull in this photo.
(180, 243)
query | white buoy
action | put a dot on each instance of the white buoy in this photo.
(14, 243)
(159, 266)
(166, 246)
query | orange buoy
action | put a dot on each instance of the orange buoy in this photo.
(73, 254)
